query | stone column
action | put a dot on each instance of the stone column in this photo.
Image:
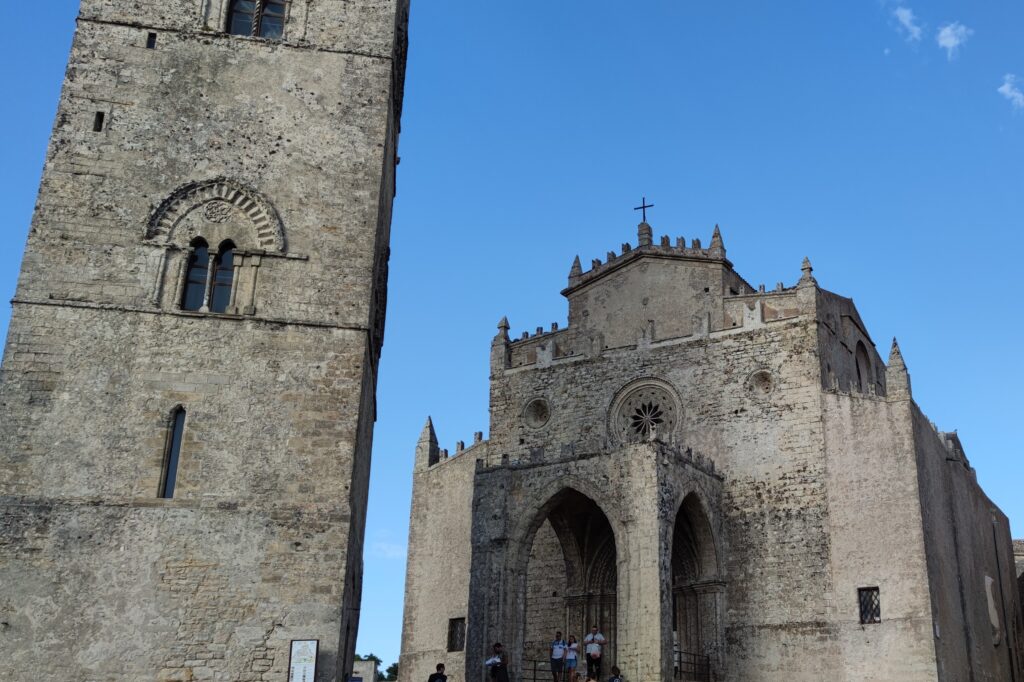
(642, 573)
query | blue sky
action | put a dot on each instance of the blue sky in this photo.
(843, 131)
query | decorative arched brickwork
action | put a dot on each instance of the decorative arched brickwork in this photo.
(215, 196)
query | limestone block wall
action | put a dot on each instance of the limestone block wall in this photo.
(874, 517)
(168, 129)
(178, 114)
(357, 26)
(438, 569)
(990, 618)
(545, 595)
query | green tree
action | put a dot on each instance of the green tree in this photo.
(391, 672)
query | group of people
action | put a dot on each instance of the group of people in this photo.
(565, 657)
(564, 660)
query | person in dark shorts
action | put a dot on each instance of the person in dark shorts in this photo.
(439, 676)
(559, 649)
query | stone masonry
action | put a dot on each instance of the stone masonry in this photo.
(279, 151)
(730, 481)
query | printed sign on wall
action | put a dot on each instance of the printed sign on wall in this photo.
(302, 661)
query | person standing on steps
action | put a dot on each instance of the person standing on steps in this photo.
(498, 663)
(572, 655)
(559, 648)
(593, 644)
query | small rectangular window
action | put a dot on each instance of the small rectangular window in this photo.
(151, 41)
(870, 605)
(456, 634)
(97, 122)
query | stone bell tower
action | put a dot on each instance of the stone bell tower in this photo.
(187, 388)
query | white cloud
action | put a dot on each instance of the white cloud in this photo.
(952, 36)
(1010, 90)
(382, 549)
(908, 22)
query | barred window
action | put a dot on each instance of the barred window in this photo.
(456, 634)
(870, 605)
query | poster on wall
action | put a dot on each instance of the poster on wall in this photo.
(302, 660)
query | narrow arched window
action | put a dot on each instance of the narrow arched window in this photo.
(195, 278)
(173, 453)
(264, 18)
(223, 273)
(863, 367)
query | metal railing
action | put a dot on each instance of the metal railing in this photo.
(536, 671)
(692, 667)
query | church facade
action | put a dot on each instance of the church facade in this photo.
(187, 388)
(729, 482)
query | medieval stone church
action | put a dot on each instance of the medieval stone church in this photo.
(729, 481)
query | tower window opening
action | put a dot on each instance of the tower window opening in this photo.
(457, 634)
(171, 457)
(151, 41)
(97, 122)
(263, 18)
(195, 278)
(223, 272)
(870, 601)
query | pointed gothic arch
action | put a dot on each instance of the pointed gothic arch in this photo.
(696, 590)
(570, 573)
(218, 198)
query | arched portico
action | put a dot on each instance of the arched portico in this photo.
(697, 593)
(569, 575)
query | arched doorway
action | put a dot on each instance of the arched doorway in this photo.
(571, 577)
(696, 593)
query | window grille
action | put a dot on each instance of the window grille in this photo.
(870, 605)
(456, 634)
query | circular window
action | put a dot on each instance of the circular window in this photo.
(537, 413)
(761, 383)
(647, 410)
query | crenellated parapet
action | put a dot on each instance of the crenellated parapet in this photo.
(652, 294)
(665, 248)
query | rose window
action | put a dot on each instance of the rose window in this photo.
(650, 410)
(645, 418)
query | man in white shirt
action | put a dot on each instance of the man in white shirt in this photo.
(558, 652)
(592, 644)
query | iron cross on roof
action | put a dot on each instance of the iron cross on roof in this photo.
(643, 207)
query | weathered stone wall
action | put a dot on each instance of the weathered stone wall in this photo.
(874, 516)
(437, 573)
(287, 148)
(545, 595)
